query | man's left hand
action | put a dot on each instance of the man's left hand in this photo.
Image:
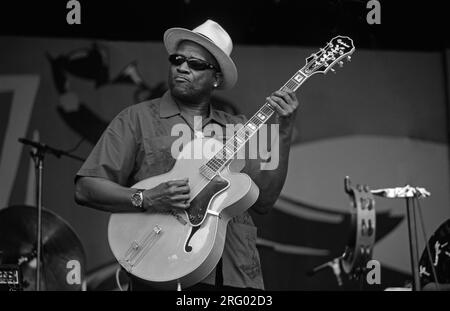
(285, 104)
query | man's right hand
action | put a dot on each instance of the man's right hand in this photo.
(170, 195)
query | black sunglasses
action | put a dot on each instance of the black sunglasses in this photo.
(193, 63)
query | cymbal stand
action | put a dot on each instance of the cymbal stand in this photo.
(37, 155)
(38, 158)
(413, 242)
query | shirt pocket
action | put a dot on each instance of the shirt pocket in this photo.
(157, 152)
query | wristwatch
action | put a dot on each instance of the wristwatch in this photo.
(137, 199)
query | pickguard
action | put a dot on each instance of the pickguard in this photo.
(196, 212)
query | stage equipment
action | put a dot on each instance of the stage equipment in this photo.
(362, 236)
(63, 260)
(411, 195)
(359, 248)
(10, 278)
(38, 154)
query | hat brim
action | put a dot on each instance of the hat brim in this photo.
(173, 36)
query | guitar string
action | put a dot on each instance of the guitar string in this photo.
(267, 110)
(143, 249)
(220, 165)
(291, 84)
(217, 164)
(132, 252)
(146, 248)
(254, 120)
(235, 148)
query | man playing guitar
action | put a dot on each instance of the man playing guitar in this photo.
(137, 145)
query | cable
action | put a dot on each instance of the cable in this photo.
(419, 208)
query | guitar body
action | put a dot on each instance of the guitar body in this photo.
(166, 248)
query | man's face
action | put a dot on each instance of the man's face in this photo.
(186, 83)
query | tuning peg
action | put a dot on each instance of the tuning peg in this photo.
(341, 64)
(349, 58)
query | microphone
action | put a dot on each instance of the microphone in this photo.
(45, 148)
(35, 144)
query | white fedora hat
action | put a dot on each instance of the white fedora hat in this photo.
(212, 37)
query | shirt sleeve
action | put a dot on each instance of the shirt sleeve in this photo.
(113, 156)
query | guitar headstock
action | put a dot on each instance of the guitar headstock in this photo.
(338, 49)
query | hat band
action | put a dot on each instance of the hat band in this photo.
(206, 37)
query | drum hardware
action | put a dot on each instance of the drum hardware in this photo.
(334, 264)
(359, 248)
(411, 195)
(61, 245)
(10, 278)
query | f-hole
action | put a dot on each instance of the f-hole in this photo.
(187, 247)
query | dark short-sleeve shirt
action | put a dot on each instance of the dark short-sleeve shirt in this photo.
(137, 145)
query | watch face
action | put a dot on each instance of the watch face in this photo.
(136, 199)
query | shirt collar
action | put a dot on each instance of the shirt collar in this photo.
(169, 108)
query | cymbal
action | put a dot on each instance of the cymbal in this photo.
(63, 258)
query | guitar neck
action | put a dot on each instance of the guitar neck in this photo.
(245, 133)
(266, 111)
(320, 62)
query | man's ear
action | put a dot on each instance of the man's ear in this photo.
(219, 79)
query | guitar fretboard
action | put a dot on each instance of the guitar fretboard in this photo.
(245, 133)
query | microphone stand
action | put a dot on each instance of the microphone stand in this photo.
(38, 158)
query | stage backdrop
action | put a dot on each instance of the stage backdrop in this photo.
(381, 120)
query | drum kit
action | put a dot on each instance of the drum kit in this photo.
(39, 250)
(62, 257)
(354, 262)
(359, 249)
